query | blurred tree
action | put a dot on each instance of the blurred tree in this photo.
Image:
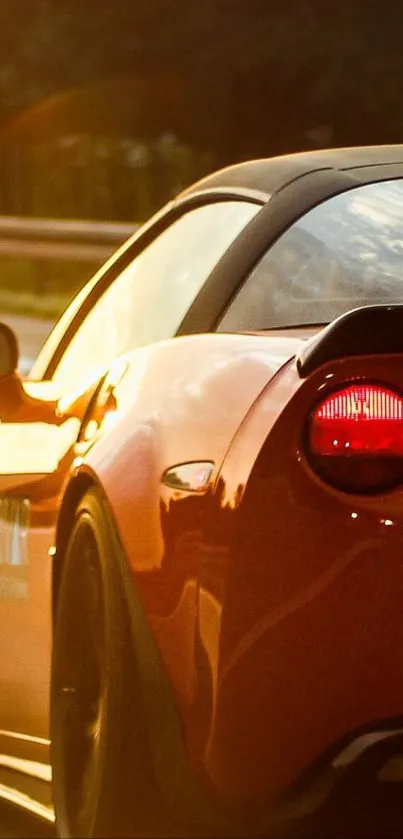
(235, 78)
(255, 73)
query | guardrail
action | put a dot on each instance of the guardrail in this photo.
(50, 239)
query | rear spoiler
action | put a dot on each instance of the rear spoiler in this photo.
(370, 330)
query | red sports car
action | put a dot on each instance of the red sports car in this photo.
(201, 496)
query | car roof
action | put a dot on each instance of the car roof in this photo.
(269, 175)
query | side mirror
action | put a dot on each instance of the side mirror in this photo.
(9, 350)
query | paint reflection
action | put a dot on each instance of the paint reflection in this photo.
(185, 600)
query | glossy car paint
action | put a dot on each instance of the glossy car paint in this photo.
(257, 578)
(198, 416)
(310, 623)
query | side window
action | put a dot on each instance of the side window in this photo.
(149, 299)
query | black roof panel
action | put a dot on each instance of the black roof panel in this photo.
(269, 175)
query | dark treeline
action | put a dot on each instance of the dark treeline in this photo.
(199, 82)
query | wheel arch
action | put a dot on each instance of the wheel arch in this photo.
(175, 780)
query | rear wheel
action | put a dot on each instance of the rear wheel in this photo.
(103, 782)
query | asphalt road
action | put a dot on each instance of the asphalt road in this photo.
(31, 334)
(13, 824)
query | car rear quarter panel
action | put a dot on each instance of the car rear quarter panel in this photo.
(303, 585)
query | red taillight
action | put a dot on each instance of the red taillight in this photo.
(356, 438)
(359, 419)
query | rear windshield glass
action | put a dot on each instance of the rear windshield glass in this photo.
(345, 253)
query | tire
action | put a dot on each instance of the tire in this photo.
(103, 781)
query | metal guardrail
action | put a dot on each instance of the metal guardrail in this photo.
(49, 239)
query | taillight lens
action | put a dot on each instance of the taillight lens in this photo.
(356, 438)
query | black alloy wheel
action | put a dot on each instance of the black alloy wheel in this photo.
(103, 780)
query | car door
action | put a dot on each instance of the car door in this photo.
(146, 302)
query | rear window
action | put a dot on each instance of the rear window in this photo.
(345, 253)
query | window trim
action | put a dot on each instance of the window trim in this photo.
(141, 239)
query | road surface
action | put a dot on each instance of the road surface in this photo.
(31, 333)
